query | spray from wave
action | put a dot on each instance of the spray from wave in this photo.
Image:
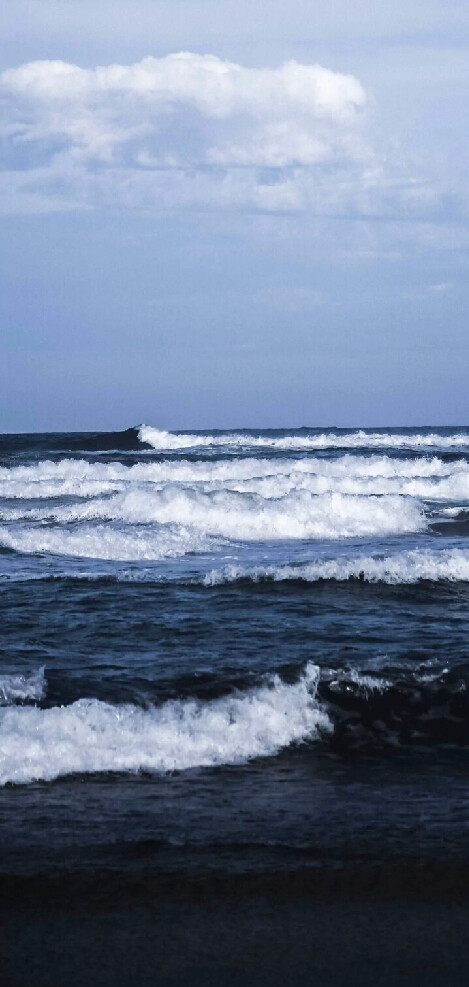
(21, 688)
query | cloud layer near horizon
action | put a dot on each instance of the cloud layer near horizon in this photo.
(185, 129)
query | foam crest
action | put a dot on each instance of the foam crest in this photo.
(103, 542)
(19, 688)
(423, 477)
(161, 440)
(239, 516)
(92, 736)
(439, 489)
(352, 680)
(403, 567)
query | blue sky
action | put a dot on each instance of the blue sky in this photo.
(227, 213)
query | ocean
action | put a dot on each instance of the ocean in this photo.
(233, 693)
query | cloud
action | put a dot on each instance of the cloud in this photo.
(182, 130)
(190, 131)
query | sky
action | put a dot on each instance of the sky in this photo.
(233, 213)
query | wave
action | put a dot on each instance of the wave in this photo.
(61, 442)
(422, 708)
(347, 709)
(176, 521)
(425, 478)
(91, 736)
(161, 440)
(135, 439)
(410, 566)
(398, 569)
(103, 542)
(19, 688)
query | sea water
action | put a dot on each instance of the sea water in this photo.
(237, 650)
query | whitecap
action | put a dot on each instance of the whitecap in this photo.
(162, 440)
(100, 541)
(399, 568)
(423, 477)
(92, 736)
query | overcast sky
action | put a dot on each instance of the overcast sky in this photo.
(219, 213)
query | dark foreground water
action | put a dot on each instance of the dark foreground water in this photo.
(234, 706)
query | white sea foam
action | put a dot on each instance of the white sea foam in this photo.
(18, 688)
(454, 488)
(442, 565)
(159, 439)
(227, 515)
(100, 541)
(425, 478)
(156, 510)
(91, 736)
(402, 567)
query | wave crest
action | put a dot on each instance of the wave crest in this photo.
(425, 478)
(403, 567)
(100, 541)
(92, 736)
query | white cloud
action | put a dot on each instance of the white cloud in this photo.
(191, 131)
(185, 129)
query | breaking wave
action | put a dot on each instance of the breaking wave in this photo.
(401, 568)
(162, 440)
(100, 541)
(92, 736)
(425, 478)
(185, 521)
(349, 709)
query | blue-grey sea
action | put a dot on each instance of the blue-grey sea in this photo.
(233, 653)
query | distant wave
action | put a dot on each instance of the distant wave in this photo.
(167, 508)
(401, 568)
(92, 736)
(62, 442)
(136, 438)
(162, 440)
(425, 478)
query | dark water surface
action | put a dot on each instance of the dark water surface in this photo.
(234, 657)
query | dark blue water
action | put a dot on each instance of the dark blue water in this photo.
(236, 652)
